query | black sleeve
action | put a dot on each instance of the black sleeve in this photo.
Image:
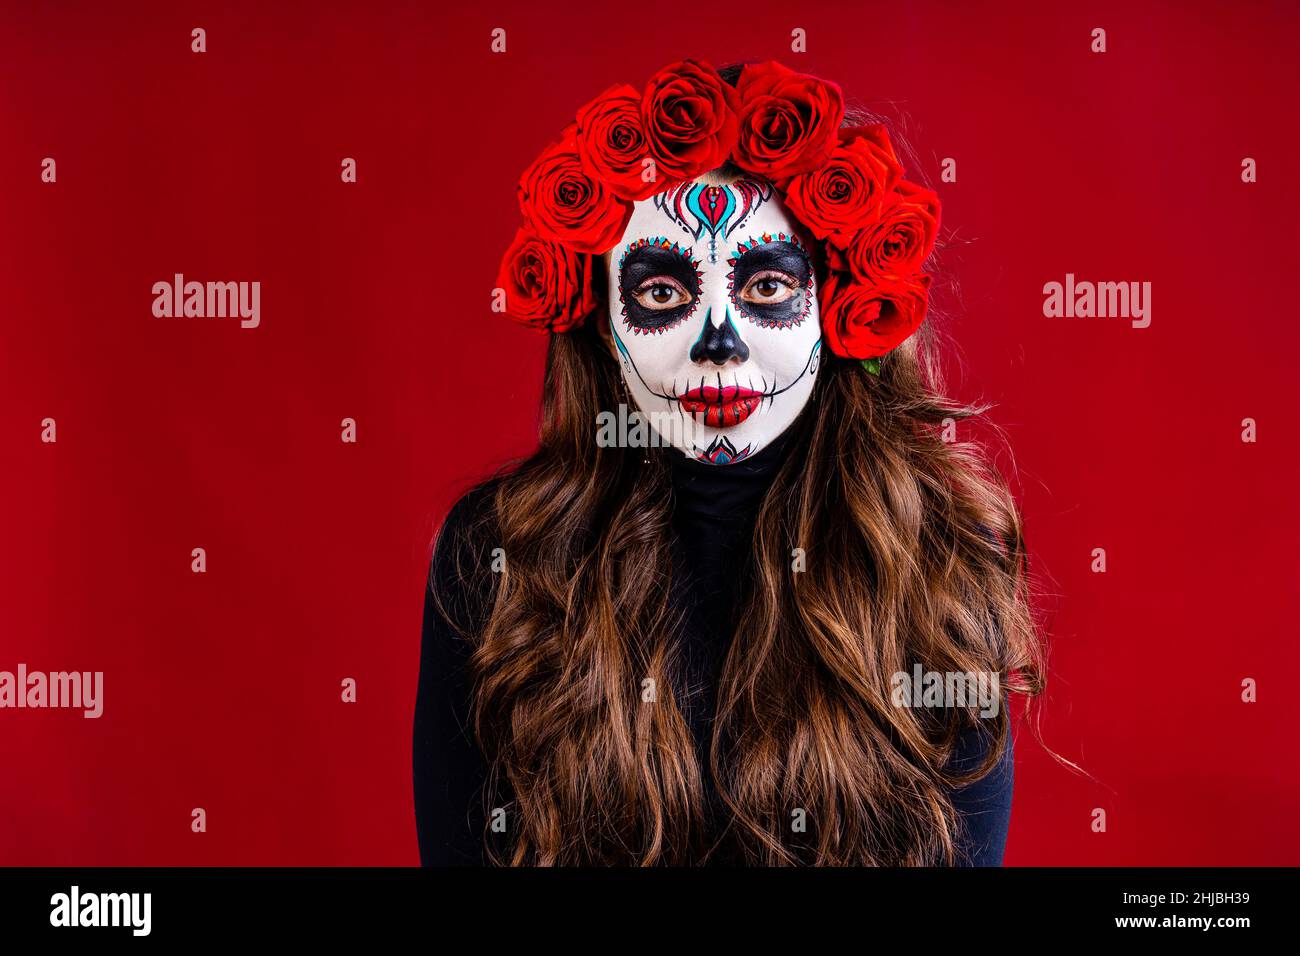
(449, 769)
(984, 807)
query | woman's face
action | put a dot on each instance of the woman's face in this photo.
(713, 311)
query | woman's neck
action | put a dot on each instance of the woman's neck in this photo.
(724, 492)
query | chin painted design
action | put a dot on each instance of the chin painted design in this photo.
(718, 382)
(722, 452)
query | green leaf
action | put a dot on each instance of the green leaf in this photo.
(872, 365)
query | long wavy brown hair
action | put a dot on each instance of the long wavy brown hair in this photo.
(913, 554)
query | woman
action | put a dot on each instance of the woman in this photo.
(710, 647)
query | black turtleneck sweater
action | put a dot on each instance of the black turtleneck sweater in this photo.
(714, 510)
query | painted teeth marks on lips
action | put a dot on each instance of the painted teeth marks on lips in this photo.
(725, 405)
(721, 405)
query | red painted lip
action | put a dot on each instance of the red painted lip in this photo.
(721, 407)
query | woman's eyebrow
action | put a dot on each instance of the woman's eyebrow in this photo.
(776, 254)
(644, 259)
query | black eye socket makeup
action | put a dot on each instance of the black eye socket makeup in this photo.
(646, 261)
(778, 271)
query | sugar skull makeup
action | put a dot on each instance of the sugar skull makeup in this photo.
(713, 310)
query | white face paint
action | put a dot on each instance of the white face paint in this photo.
(714, 316)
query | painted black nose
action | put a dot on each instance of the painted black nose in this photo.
(719, 344)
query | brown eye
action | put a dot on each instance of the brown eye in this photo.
(769, 287)
(661, 293)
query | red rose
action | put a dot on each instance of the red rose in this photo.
(690, 121)
(847, 192)
(862, 321)
(612, 142)
(561, 200)
(896, 244)
(788, 120)
(548, 286)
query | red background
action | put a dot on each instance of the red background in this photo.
(222, 689)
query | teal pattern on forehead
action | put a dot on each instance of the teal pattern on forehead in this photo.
(715, 211)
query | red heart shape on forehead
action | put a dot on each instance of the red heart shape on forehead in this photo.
(713, 203)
